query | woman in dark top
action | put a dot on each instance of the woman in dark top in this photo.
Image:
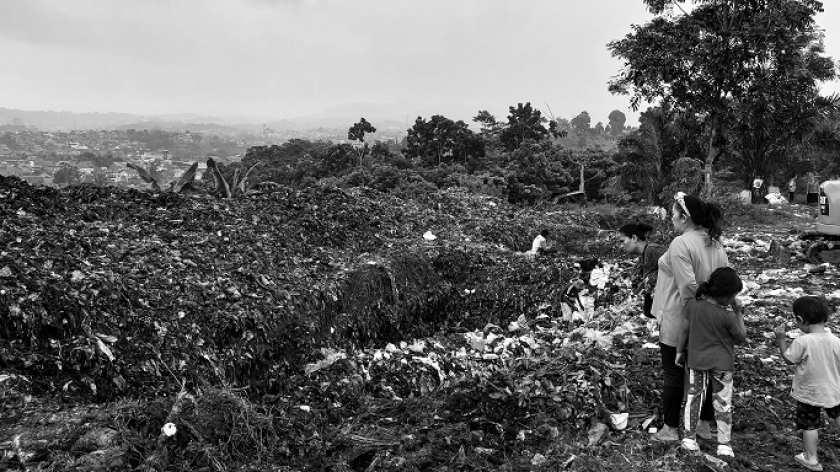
(634, 240)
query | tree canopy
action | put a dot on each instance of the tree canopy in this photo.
(440, 140)
(724, 59)
(358, 130)
(524, 123)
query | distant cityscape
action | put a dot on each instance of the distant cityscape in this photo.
(101, 156)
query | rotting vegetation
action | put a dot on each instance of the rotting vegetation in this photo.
(317, 330)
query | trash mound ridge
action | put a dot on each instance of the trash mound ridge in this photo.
(115, 292)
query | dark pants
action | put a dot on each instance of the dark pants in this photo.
(813, 198)
(673, 394)
(791, 196)
(648, 306)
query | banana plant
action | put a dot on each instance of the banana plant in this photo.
(238, 184)
(185, 180)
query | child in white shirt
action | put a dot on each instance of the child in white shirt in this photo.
(816, 384)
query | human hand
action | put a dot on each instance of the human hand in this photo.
(736, 305)
(781, 331)
(680, 359)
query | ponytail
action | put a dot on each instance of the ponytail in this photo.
(706, 214)
(714, 221)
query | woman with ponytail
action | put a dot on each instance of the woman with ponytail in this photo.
(691, 258)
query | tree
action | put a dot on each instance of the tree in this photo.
(524, 123)
(442, 140)
(581, 123)
(67, 175)
(817, 150)
(581, 127)
(490, 127)
(714, 57)
(357, 133)
(540, 164)
(616, 125)
(645, 155)
(335, 160)
(765, 129)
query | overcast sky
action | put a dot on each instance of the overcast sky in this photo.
(289, 58)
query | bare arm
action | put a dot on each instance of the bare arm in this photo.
(683, 339)
(741, 335)
(782, 342)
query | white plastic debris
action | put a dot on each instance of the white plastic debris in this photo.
(776, 199)
(169, 429)
(619, 420)
(417, 347)
(600, 276)
(428, 236)
(657, 211)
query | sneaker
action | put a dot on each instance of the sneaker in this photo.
(800, 459)
(666, 434)
(690, 445)
(725, 450)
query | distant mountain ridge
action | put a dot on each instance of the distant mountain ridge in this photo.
(382, 117)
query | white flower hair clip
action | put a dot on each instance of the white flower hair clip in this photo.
(680, 198)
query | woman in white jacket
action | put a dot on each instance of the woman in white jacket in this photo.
(691, 258)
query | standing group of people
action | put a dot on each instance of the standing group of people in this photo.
(812, 189)
(690, 289)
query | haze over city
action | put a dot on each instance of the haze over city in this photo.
(252, 60)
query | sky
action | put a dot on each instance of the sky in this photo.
(272, 59)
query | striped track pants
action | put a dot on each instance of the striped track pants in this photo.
(721, 381)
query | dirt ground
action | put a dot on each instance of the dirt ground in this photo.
(535, 395)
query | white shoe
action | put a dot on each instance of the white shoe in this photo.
(690, 445)
(725, 450)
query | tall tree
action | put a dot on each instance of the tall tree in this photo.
(616, 125)
(581, 126)
(357, 133)
(714, 56)
(490, 126)
(524, 123)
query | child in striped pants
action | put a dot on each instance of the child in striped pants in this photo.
(713, 324)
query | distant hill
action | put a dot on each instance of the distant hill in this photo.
(64, 120)
(383, 117)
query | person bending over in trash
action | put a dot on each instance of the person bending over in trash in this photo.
(571, 294)
(816, 383)
(634, 241)
(541, 244)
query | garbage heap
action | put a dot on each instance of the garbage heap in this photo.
(114, 292)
